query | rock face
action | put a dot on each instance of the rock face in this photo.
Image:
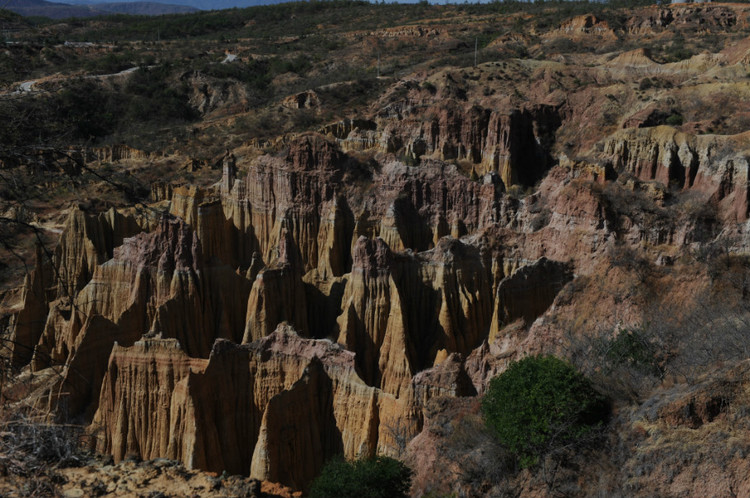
(656, 19)
(448, 378)
(512, 144)
(303, 100)
(212, 97)
(703, 163)
(29, 324)
(86, 242)
(155, 283)
(114, 153)
(372, 323)
(279, 458)
(309, 244)
(217, 320)
(278, 295)
(290, 193)
(341, 291)
(264, 386)
(399, 312)
(584, 27)
(528, 292)
(315, 193)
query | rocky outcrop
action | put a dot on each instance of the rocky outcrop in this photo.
(234, 411)
(28, 323)
(448, 378)
(585, 27)
(342, 129)
(304, 238)
(513, 144)
(274, 459)
(706, 163)
(113, 153)
(528, 292)
(418, 206)
(334, 239)
(303, 100)
(149, 372)
(406, 31)
(161, 191)
(311, 193)
(521, 297)
(372, 322)
(178, 302)
(658, 18)
(212, 96)
(290, 193)
(514, 148)
(452, 309)
(277, 295)
(430, 241)
(86, 242)
(156, 283)
(174, 283)
(399, 312)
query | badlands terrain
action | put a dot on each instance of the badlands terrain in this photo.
(236, 244)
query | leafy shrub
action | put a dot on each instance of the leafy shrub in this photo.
(90, 110)
(645, 84)
(541, 405)
(634, 349)
(154, 97)
(379, 477)
(674, 119)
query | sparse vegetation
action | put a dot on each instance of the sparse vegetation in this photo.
(632, 348)
(34, 447)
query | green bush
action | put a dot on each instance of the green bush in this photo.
(91, 111)
(379, 477)
(542, 405)
(154, 96)
(633, 348)
(674, 119)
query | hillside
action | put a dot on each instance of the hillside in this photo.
(243, 243)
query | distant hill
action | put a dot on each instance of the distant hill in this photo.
(49, 9)
(55, 10)
(198, 4)
(145, 8)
